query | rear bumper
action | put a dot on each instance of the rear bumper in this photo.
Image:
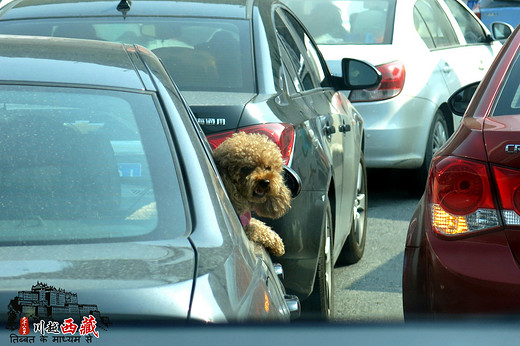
(475, 276)
(480, 275)
(396, 131)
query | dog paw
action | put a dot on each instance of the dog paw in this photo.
(260, 233)
(277, 249)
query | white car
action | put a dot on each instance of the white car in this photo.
(425, 49)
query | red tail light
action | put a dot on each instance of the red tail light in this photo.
(461, 197)
(216, 139)
(391, 84)
(508, 184)
(281, 134)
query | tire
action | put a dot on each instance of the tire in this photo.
(437, 137)
(319, 305)
(354, 247)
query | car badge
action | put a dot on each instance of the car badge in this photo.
(512, 148)
(211, 121)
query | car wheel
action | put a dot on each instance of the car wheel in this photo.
(436, 139)
(319, 305)
(354, 246)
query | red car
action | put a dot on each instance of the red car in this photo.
(462, 251)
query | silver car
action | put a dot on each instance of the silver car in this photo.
(425, 49)
(108, 193)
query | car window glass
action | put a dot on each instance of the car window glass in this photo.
(437, 23)
(315, 63)
(508, 102)
(422, 29)
(471, 29)
(347, 21)
(288, 71)
(80, 165)
(200, 54)
(293, 41)
(290, 51)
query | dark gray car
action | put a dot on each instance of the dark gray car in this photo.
(110, 203)
(250, 65)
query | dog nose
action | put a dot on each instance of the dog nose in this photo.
(264, 183)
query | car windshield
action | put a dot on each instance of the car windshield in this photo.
(200, 54)
(84, 165)
(347, 21)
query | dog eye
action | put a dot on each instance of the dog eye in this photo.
(246, 170)
(268, 168)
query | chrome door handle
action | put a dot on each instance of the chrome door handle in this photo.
(329, 130)
(344, 128)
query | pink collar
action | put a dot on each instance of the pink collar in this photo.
(245, 219)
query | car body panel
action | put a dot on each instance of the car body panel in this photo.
(498, 134)
(118, 270)
(218, 111)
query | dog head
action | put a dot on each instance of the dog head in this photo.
(251, 168)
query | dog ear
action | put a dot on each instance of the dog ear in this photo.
(240, 205)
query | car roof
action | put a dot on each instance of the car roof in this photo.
(238, 9)
(68, 61)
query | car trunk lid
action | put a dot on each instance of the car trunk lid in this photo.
(217, 111)
(108, 280)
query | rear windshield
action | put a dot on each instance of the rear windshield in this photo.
(347, 21)
(508, 101)
(79, 165)
(200, 54)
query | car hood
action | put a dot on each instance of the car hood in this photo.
(217, 111)
(148, 278)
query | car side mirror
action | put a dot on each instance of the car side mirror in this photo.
(501, 31)
(459, 101)
(359, 74)
(292, 180)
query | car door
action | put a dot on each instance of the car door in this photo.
(477, 49)
(462, 49)
(334, 123)
(436, 31)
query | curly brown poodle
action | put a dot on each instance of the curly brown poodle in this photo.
(251, 168)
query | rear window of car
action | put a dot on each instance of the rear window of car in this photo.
(201, 54)
(84, 165)
(508, 101)
(347, 21)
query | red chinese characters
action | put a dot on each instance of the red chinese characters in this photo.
(68, 326)
(88, 325)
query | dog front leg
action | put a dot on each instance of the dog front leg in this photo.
(259, 232)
